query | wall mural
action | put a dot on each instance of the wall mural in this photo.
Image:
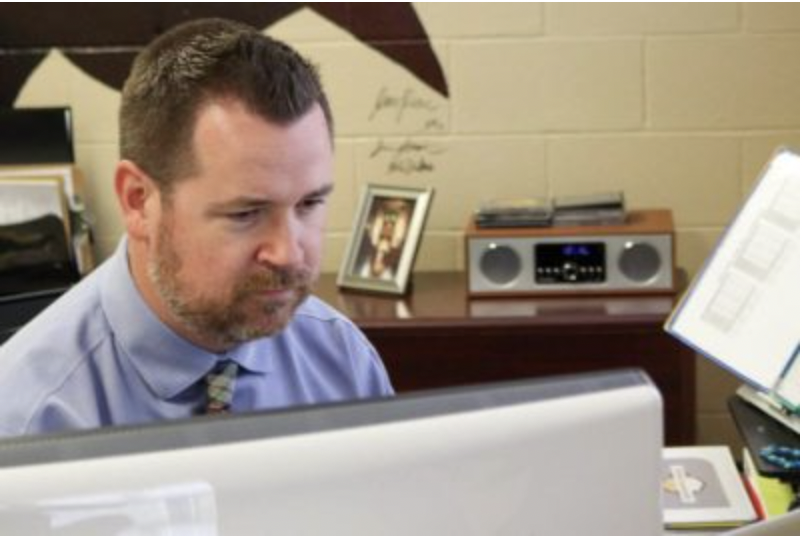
(400, 113)
(102, 39)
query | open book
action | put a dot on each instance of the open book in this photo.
(742, 310)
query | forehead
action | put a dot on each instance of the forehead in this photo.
(227, 123)
(237, 149)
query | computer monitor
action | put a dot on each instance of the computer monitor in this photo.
(36, 136)
(17, 310)
(572, 455)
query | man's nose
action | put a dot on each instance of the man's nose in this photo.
(282, 244)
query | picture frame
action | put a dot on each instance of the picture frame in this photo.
(385, 238)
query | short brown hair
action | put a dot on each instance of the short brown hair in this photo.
(194, 63)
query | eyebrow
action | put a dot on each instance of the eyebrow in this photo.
(253, 202)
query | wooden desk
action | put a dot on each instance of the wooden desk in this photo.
(438, 337)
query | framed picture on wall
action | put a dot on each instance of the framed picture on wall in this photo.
(385, 238)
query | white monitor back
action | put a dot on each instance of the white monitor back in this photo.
(563, 456)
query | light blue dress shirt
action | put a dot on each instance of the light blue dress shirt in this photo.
(99, 356)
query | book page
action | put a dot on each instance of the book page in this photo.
(788, 387)
(24, 199)
(63, 172)
(742, 310)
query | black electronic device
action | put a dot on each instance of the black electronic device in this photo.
(759, 431)
(571, 262)
(16, 310)
(34, 256)
(36, 136)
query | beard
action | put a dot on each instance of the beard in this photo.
(244, 313)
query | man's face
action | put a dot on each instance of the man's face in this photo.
(239, 243)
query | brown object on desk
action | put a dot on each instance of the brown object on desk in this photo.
(635, 257)
(437, 337)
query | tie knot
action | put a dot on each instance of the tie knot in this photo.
(220, 387)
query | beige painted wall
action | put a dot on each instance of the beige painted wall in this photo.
(676, 104)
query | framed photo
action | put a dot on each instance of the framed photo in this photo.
(385, 239)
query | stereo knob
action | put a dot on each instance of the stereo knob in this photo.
(570, 271)
(639, 261)
(500, 264)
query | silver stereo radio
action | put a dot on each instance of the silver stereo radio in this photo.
(636, 257)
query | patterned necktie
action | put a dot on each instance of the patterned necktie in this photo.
(220, 388)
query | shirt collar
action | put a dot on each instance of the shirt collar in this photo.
(168, 363)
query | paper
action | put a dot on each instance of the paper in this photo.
(30, 198)
(64, 172)
(770, 404)
(788, 387)
(742, 310)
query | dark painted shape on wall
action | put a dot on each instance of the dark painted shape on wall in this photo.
(14, 71)
(86, 32)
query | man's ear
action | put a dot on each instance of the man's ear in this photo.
(137, 195)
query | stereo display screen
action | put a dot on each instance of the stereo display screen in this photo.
(570, 262)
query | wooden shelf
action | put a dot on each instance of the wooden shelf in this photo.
(437, 336)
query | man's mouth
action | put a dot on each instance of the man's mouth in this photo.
(278, 294)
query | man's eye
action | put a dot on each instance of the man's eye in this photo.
(312, 203)
(243, 215)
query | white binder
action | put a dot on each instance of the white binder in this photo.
(742, 309)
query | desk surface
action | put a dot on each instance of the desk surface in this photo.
(438, 336)
(440, 299)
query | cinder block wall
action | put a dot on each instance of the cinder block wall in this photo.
(677, 104)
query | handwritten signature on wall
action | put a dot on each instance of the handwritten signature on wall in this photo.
(420, 116)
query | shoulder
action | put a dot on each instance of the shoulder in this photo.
(43, 356)
(315, 309)
(71, 319)
(324, 335)
(316, 315)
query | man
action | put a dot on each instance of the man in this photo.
(225, 171)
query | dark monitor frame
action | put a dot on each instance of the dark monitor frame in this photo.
(36, 136)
